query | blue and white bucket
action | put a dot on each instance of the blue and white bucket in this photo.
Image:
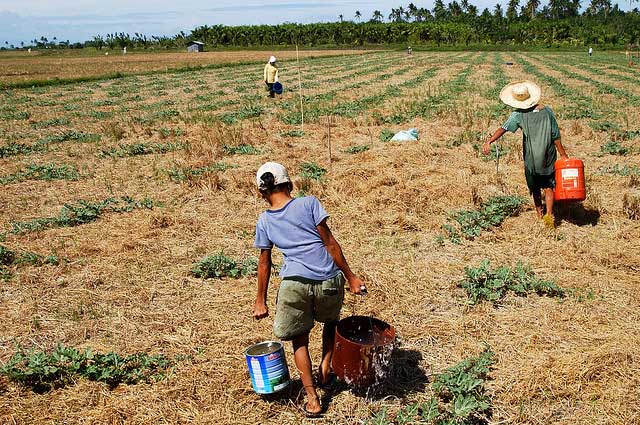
(277, 87)
(267, 367)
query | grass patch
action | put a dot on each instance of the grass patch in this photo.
(311, 170)
(219, 266)
(247, 111)
(357, 149)
(614, 147)
(42, 371)
(244, 149)
(136, 149)
(617, 170)
(292, 133)
(180, 175)
(460, 397)
(471, 223)
(82, 212)
(43, 172)
(604, 126)
(70, 136)
(467, 136)
(9, 258)
(484, 284)
(50, 123)
(14, 115)
(13, 149)
(386, 135)
(496, 152)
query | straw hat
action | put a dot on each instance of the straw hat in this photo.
(521, 95)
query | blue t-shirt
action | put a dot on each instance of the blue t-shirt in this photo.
(292, 229)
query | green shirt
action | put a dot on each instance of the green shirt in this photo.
(539, 132)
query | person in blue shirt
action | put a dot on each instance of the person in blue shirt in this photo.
(313, 274)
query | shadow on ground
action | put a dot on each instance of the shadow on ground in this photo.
(405, 377)
(576, 213)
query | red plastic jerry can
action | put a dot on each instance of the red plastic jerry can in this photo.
(570, 180)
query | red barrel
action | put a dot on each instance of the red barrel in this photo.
(570, 180)
(362, 350)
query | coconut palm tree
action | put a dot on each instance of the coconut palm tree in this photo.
(377, 16)
(531, 7)
(358, 15)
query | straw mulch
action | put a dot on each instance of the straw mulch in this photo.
(126, 286)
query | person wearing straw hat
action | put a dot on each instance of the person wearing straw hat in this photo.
(271, 75)
(313, 274)
(540, 140)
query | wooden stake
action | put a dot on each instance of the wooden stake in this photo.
(329, 140)
(300, 88)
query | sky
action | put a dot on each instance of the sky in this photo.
(80, 20)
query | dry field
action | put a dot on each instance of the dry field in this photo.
(191, 142)
(22, 66)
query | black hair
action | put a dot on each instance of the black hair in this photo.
(269, 185)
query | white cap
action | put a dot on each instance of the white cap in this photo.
(272, 59)
(280, 174)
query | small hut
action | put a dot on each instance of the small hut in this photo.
(195, 46)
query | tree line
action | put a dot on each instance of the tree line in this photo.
(457, 23)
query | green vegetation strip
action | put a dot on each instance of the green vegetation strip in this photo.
(357, 149)
(179, 175)
(244, 149)
(485, 284)
(42, 371)
(218, 266)
(471, 223)
(614, 147)
(43, 172)
(43, 145)
(618, 170)
(460, 397)
(83, 212)
(137, 149)
(12, 259)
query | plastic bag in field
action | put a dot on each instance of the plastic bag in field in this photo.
(410, 135)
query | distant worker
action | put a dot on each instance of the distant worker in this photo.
(271, 75)
(540, 139)
(409, 50)
(124, 50)
(313, 275)
(590, 51)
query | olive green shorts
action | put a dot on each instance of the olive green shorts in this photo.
(300, 301)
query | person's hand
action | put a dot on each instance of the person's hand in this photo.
(260, 310)
(486, 148)
(357, 286)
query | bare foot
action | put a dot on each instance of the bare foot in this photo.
(313, 407)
